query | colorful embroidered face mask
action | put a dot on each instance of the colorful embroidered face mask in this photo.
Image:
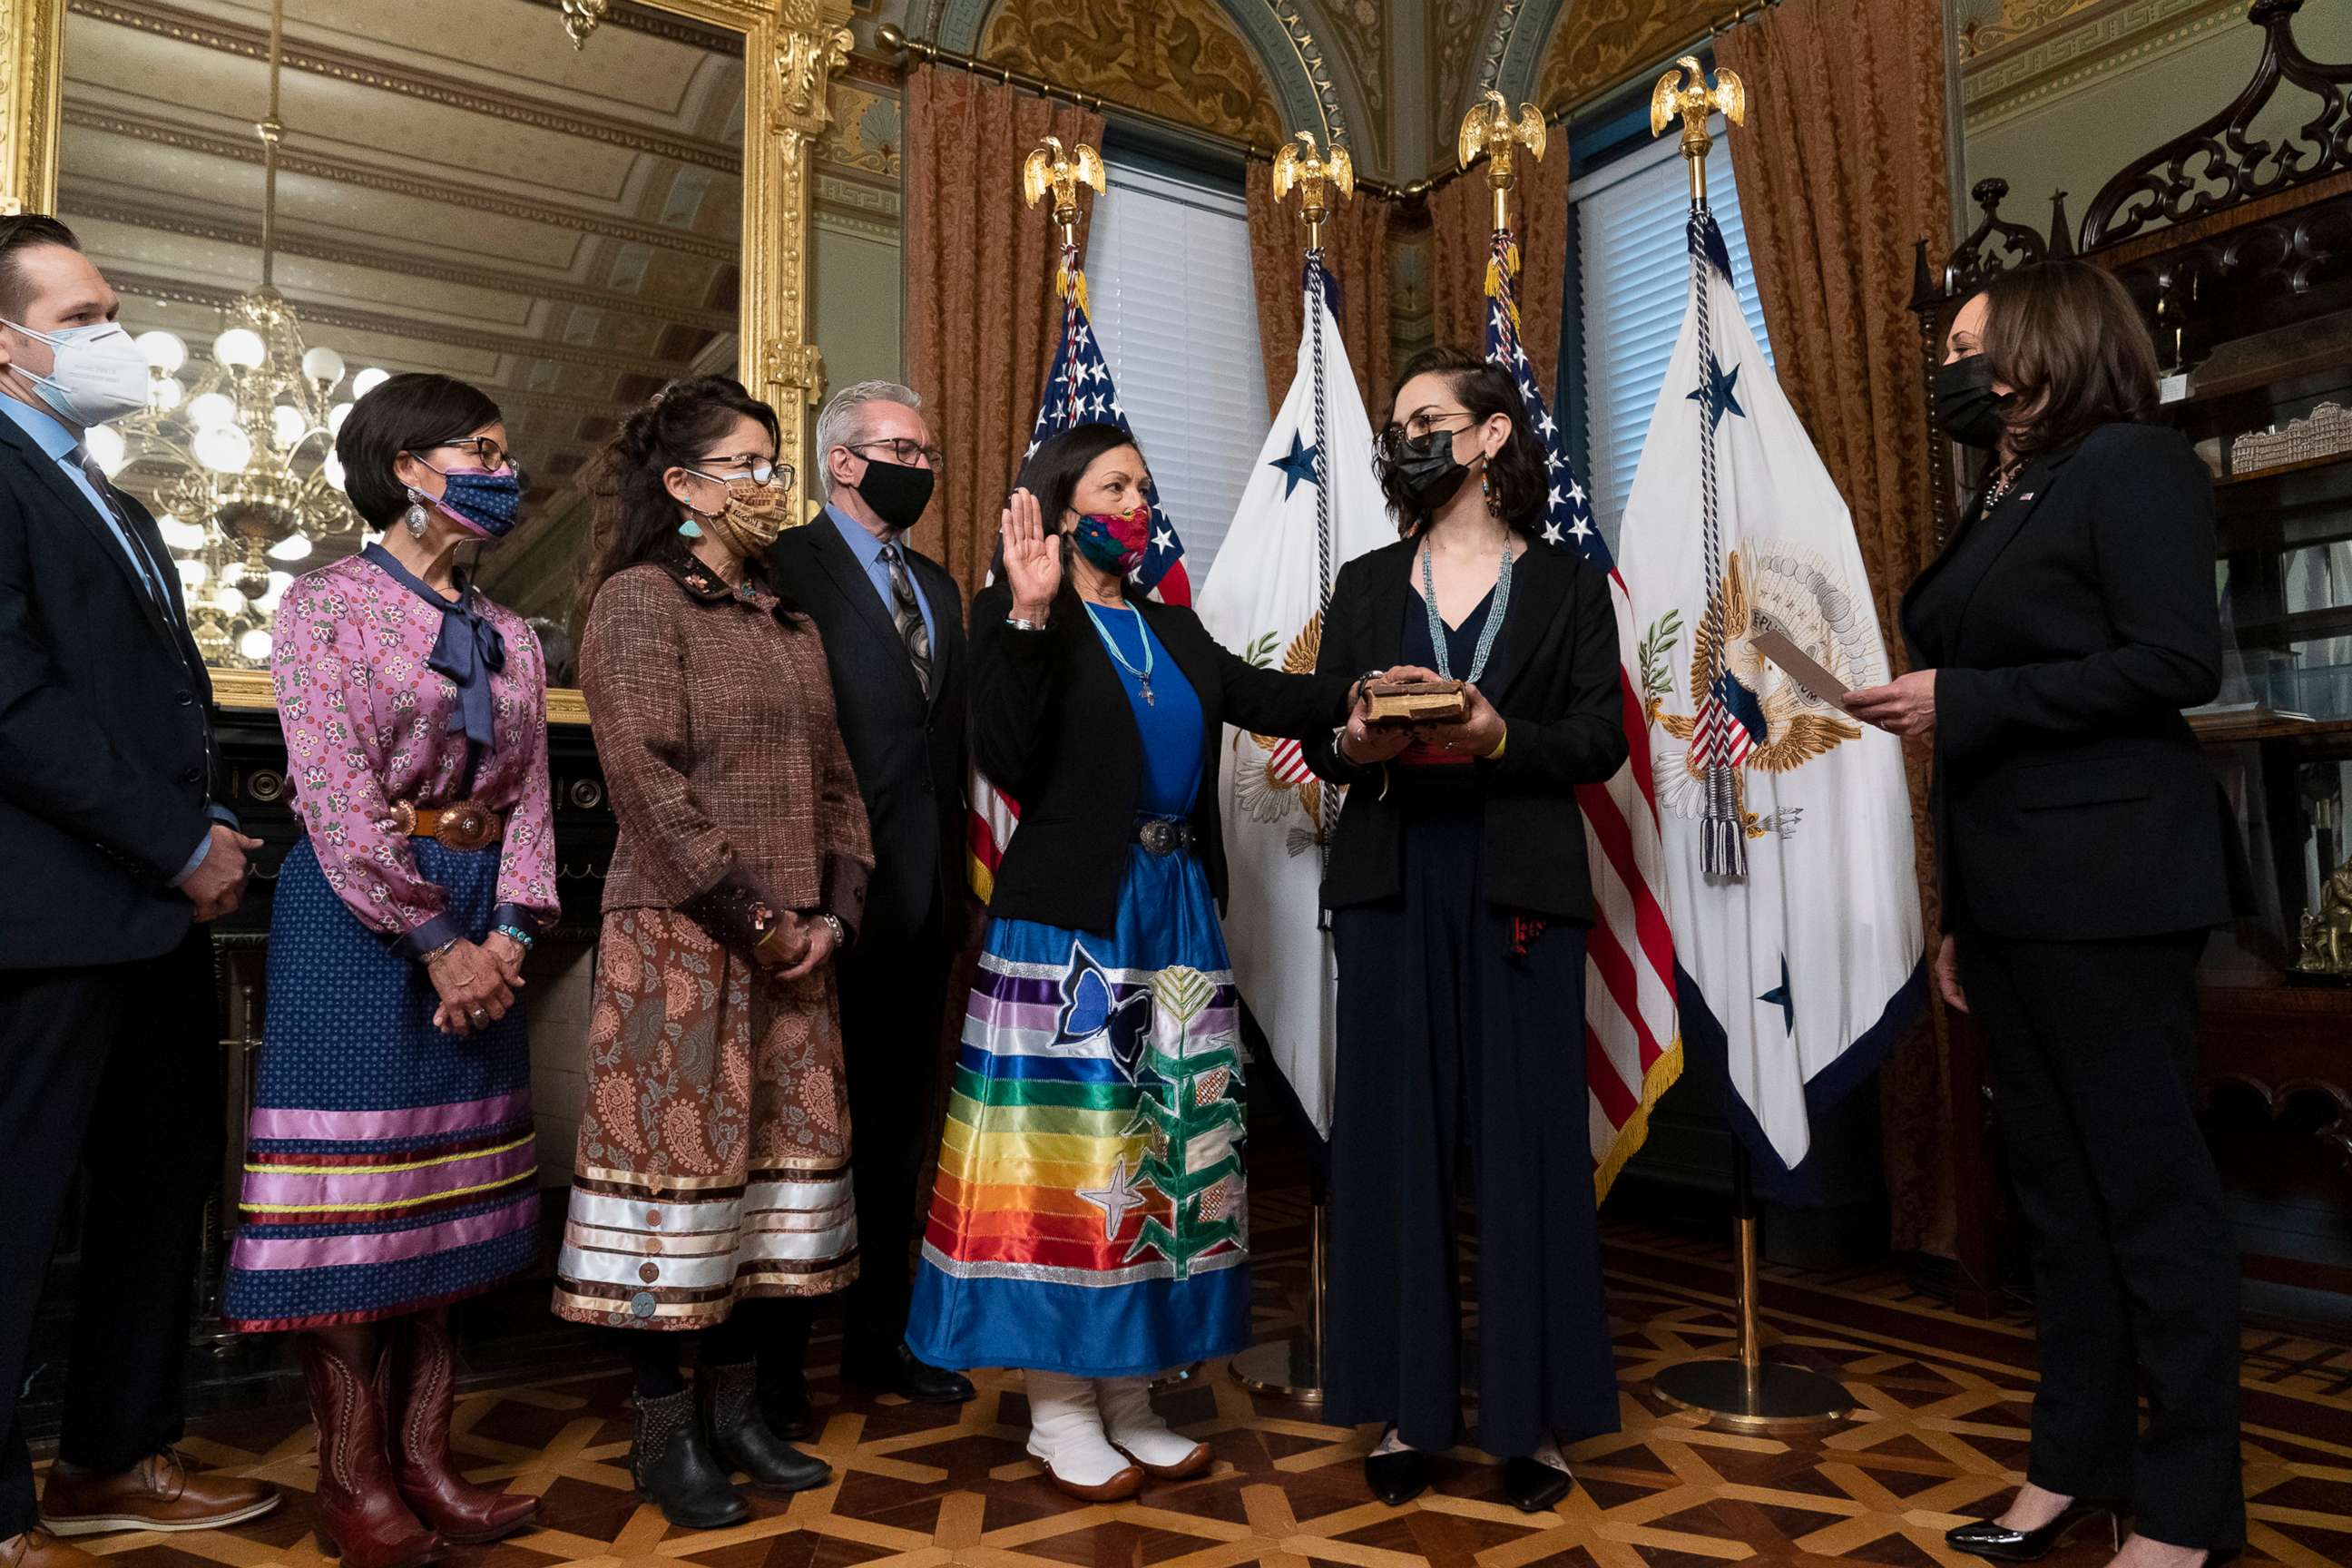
(1114, 542)
(486, 503)
(752, 517)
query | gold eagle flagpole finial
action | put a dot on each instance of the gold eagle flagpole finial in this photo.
(1692, 100)
(1489, 128)
(1322, 182)
(1050, 169)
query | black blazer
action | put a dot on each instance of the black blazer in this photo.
(106, 742)
(2068, 626)
(1556, 684)
(907, 752)
(1051, 726)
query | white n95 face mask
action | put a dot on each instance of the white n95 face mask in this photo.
(101, 373)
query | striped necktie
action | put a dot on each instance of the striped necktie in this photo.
(150, 573)
(907, 612)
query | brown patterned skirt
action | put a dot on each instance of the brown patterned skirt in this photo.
(714, 1149)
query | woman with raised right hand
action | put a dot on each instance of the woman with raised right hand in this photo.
(1088, 1225)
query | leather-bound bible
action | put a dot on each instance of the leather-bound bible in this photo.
(1416, 701)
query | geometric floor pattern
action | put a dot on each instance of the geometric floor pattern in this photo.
(1939, 1436)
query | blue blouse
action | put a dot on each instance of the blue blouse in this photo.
(1169, 725)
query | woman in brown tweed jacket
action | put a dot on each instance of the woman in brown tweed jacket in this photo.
(712, 1191)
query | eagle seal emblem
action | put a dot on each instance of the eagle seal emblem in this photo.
(1774, 725)
(1272, 780)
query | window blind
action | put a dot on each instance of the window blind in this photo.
(1630, 218)
(1168, 277)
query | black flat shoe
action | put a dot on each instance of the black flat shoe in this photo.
(1397, 1479)
(897, 1372)
(1533, 1486)
(1990, 1539)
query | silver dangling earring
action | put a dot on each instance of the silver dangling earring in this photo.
(417, 518)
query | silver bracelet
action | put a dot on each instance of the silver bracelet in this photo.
(1018, 624)
(840, 932)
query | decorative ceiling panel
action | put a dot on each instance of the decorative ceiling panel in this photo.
(1180, 59)
(458, 190)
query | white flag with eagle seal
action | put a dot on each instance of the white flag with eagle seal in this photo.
(1313, 504)
(1787, 826)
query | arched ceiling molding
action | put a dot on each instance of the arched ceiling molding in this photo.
(1283, 38)
(1515, 49)
(1586, 45)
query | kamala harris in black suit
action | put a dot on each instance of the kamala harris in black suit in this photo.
(110, 1054)
(892, 620)
(2085, 851)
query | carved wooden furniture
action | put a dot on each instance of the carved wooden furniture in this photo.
(2236, 240)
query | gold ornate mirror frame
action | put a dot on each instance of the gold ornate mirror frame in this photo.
(792, 48)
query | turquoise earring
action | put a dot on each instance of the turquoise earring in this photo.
(690, 529)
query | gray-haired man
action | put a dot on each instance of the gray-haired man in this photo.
(893, 626)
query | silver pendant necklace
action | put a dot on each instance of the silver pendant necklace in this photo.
(1110, 644)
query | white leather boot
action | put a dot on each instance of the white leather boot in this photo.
(1137, 1431)
(1066, 1433)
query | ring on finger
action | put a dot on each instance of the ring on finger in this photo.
(480, 1015)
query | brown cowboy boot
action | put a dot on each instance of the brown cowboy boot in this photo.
(417, 1384)
(360, 1516)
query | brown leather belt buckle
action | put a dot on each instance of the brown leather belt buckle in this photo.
(403, 818)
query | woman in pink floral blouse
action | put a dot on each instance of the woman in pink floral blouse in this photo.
(389, 1169)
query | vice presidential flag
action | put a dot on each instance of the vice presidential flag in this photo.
(1787, 825)
(1078, 391)
(1633, 1050)
(1313, 504)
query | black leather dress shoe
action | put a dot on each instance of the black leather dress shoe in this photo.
(1533, 1486)
(896, 1370)
(1397, 1479)
(1990, 1538)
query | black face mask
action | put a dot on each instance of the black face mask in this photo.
(1967, 407)
(897, 491)
(1425, 474)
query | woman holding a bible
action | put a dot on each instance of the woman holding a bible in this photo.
(1459, 896)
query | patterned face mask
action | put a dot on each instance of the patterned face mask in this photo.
(1114, 542)
(486, 503)
(752, 517)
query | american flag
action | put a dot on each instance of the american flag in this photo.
(1632, 1045)
(1078, 391)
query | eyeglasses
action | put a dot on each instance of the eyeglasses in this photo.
(1418, 427)
(758, 470)
(901, 451)
(493, 457)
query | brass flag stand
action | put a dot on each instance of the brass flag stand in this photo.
(1292, 1366)
(1743, 1391)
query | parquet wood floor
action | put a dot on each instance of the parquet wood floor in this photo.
(1939, 1437)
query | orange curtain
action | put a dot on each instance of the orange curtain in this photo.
(1835, 188)
(981, 309)
(1462, 211)
(1356, 254)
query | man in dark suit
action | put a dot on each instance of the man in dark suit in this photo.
(893, 625)
(109, 1056)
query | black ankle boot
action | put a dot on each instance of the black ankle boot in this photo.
(674, 1469)
(739, 1437)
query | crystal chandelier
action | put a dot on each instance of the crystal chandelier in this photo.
(239, 463)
